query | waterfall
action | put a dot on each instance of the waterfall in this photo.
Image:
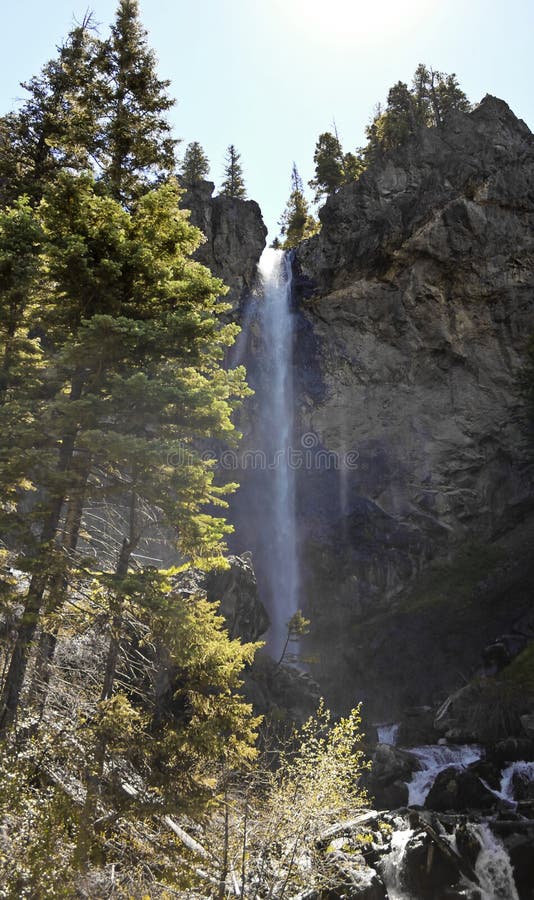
(493, 876)
(524, 770)
(277, 419)
(264, 509)
(387, 734)
(392, 868)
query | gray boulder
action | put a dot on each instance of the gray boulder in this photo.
(236, 591)
(387, 781)
(459, 791)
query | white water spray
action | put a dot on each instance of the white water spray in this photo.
(387, 734)
(524, 770)
(434, 759)
(493, 868)
(392, 870)
(277, 419)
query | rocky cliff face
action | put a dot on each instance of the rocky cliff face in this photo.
(235, 237)
(416, 301)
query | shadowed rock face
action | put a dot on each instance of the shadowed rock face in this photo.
(419, 293)
(235, 590)
(483, 158)
(235, 237)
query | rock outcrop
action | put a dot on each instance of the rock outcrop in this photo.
(390, 773)
(416, 301)
(234, 589)
(235, 237)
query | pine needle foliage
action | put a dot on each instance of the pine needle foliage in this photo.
(233, 183)
(430, 101)
(195, 166)
(296, 223)
(111, 351)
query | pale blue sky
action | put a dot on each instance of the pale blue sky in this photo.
(270, 75)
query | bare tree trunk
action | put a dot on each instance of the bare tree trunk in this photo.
(94, 779)
(32, 608)
(57, 595)
(225, 867)
(123, 563)
(244, 852)
(5, 376)
(12, 688)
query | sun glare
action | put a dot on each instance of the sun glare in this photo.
(351, 21)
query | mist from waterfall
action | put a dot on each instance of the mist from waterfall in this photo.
(275, 430)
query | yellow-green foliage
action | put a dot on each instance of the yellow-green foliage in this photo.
(270, 822)
(220, 725)
(39, 830)
(321, 776)
(118, 723)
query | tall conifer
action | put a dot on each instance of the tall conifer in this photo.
(234, 183)
(195, 166)
(115, 285)
(135, 145)
(57, 125)
(296, 223)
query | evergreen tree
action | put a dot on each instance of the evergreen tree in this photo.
(449, 98)
(135, 145)
(56, 127)
(436, 96)
(121, 129)
(400, 120)
(234, 183)
(22, 371)
(422, 88)
(332, 167)
(296, 223)
(112, 378)
(99, 105)
(20, 246)
(195, 166)
(433, 97)
(353, 165)
(132, 334)
(328, 159)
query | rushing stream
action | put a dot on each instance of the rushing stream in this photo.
(434, 759)
(492, 877)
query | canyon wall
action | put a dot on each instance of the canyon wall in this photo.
(416, 301)
(413, 307)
